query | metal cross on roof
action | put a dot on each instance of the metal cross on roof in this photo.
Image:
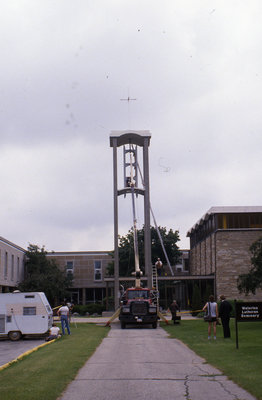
(128, 99)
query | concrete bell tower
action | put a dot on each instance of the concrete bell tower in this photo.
(130, 140)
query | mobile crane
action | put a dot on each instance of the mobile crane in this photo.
(138, 305)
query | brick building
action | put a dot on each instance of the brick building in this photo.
(219, 246)
(219, 253)
(89, 270)
(11, 265)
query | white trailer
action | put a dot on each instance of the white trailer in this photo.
(24, 313)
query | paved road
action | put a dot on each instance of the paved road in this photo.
(11, 350)
(145, 364)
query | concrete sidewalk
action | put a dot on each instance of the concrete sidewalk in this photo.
(141, 363)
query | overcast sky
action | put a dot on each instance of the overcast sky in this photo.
(195, 70)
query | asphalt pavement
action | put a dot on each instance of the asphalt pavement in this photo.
(11, 350)
(140, 363)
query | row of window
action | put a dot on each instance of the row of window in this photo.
(239, 221)
(97, 269)
(15, 269)
(225, 221)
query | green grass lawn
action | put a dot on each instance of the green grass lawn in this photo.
(44, 374)
(243, 366)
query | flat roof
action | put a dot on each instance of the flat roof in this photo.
(3, 240)
(225, 210)
(77, 253)
(129, 137)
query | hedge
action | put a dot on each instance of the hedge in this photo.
(92, 308)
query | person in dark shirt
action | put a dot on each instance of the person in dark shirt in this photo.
(173, 309)
(224, 313)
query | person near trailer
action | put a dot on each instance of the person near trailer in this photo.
(70, 307)
(211, 307)
(63, 312)
(54, 333)
(224, 313)
(173, 309)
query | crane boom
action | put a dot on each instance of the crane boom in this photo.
(132, 185)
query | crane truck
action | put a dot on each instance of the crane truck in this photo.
(138, 304)
(138, 307)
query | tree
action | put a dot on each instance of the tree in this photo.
(126, 249)
(43, 275)
(252, 281)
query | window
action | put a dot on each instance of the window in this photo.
(70, 267)
(240, 221)
(48, 308)
(9, 318)
(6, 264)
(138, 294)
(18, 268)
(98, 270)
(2, 323)
(186, 264)
(255, 221)
(29, 310)
(12, 267)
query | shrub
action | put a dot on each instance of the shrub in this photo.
(92, 308)
(95, 308)
(111, 303)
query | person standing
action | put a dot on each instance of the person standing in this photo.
(212, 310)
(173, 309)
(159, 266)
(64, 316)
(224, 313)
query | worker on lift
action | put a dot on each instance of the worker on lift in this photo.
(159, 267)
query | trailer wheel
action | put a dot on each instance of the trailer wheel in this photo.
(123, 325)
(14, 335)
(154, 325)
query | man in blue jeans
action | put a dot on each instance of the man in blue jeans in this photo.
(64, 316)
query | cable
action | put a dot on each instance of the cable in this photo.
(158, 232)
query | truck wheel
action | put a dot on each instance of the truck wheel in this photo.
(123, 325)
(14, 335)
(154, 325)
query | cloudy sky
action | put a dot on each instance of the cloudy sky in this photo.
(195, 70)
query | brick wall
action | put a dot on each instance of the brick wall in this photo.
(232, 259)
(83, 267)
(201, 259)
(225, 253)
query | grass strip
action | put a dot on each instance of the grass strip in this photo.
(243, 366)
(44, 374)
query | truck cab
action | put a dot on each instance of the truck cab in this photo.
(137, 308)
